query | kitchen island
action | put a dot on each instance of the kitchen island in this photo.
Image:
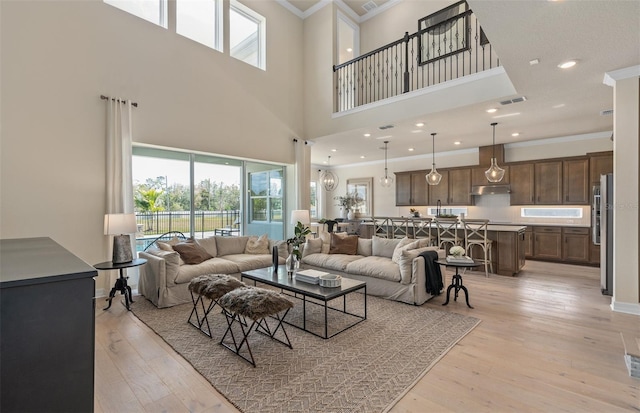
(508, 255)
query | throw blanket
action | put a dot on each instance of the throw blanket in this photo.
(433, 273)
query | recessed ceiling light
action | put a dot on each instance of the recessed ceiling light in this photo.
(324, 161)
(385, 137)
(411, 149)
(417, 131)
(492, 110)
(534, 62)
(561, 105)
(420, 124)
(366, 135)
(334, 150)
(567, 64)
(507, 115)
(362, 156)
(349, 49)
(514, 134)
(457, 143)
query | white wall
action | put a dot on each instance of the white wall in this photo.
(58, 57)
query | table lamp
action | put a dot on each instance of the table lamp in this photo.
(300, 215)
(120, 225)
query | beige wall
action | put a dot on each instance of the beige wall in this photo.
(626, 186)
(59, 56)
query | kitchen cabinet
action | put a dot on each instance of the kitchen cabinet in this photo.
(594, 254)
(508, 251)
(478, 177)
(522, 183)
(528, 242)
(575, 181)
(412, 188)
(440, 192)
(460, 187)
(600, 164)
(548, 182)
(547, 243)
(576, 242)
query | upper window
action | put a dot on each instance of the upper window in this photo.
(247, 35)
(200, 20)
(154, 11)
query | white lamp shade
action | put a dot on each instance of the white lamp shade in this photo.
(300, 215)
(116, 224)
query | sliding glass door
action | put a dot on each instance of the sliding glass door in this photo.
(265, 199)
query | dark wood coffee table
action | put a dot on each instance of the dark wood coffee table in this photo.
(305, 291)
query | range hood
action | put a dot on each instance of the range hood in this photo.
(490, 189)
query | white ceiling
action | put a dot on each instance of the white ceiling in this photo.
(603, 35)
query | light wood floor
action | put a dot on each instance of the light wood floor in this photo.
(548, 342)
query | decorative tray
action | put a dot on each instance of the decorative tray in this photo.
(330, 280)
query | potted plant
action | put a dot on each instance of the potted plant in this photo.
(414, 212)
(349, 203)
(300, 233)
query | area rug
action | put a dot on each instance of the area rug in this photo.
(366, 368)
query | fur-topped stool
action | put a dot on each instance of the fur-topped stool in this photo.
(256, 304)
(211, 287)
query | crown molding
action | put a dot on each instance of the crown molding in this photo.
(343, 7)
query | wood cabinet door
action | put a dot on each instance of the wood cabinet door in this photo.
(594, 253)
(440, 192)
(547, 243)
(528, 243)
(575, 181)
(403, 189)
(600, 165)
(576, 244)
(460, 187)
(548, 183)
(419, 189)
(522, 184)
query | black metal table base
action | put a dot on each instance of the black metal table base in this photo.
(121, 285)
(456, 284)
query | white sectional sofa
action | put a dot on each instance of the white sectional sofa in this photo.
(392, 268)
(165, 278)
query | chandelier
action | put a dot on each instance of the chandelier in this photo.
(328, 179)
(386, 181)
(494, 173)
(433, 177)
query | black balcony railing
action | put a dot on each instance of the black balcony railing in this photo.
(450, 48)
(156, 223)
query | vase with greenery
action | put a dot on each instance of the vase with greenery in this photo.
(350, 202)
(300, 233)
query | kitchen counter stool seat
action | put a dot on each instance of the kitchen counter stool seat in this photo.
(475, 235)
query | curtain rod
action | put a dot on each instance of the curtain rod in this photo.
(103, 97)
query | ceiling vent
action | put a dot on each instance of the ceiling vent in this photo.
(385, 127)
(514, 100)
(606, 112)
(370, 5)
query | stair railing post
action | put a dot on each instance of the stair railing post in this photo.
(406, 62)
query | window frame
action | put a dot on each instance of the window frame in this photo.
(261, 22)
(162, 12)
(218, 41)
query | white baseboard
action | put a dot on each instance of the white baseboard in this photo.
(100, 293)
(628, 308)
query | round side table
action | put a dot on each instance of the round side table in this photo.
(121, 282)
(456, 280)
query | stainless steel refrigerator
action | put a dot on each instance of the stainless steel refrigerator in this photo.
(606, 233)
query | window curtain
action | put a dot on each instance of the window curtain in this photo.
(119, 181)
(302, 174)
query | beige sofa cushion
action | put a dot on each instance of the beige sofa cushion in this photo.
(312, 246)
(247, 262)
(405, 262)
(230, 245)
(211, 266)
(404, 244)
(336, 262)
(365, 247)
(257, 245)
(209, 244)
(383, 247)
(376, 267)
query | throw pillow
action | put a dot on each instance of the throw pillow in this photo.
(312, 246)
(365, 247)
(168, 246)
(230, 245)
(404, 244)
(384, 247)
(344, 245)
(326, 240)
(257, 245)
(191, 252)
(406, 262)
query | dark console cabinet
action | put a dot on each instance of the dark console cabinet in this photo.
(47, 328)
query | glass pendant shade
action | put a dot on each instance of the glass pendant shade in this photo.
(386, 181)
(433, 177)
(494, 173)
(328, 179)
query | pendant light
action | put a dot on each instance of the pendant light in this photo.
(328, 179)
(494, 173)
(433, 177)
(386, 181)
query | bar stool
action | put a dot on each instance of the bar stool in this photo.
(422, 229)
(475, 235)
(447, 232)
(381, 226)
(257, 304)
(399, 227)
(211, 287)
